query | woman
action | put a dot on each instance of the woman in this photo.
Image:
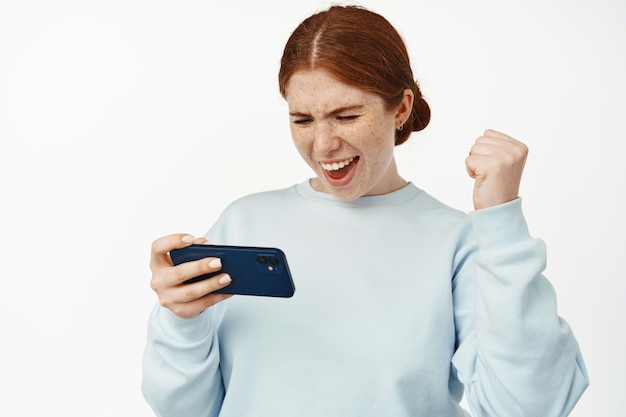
(403, 303)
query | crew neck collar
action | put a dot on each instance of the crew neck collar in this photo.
(400, 196)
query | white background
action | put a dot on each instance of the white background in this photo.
(124, 120)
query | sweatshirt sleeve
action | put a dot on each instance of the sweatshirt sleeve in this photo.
(181, 375)
(515, 355)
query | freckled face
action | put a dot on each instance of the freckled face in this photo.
(346, 135)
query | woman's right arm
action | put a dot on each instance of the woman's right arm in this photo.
(181, 373)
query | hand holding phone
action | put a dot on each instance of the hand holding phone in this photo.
(260, 271)
(167, 280)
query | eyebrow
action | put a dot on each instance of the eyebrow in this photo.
(330, 113)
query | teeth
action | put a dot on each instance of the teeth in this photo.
(336, 165)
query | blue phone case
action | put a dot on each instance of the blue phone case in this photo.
(254, 270)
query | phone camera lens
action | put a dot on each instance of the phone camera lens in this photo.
(261, 259)
(273, 260)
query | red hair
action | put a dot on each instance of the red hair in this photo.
(360, 48)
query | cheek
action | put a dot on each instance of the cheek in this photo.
(301, 141)
(381, 138)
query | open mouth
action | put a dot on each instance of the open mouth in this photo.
(340, 170)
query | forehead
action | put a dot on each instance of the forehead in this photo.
(317, 90)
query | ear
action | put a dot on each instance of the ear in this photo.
(404, 109)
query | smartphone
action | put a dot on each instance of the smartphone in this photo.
(254, 270)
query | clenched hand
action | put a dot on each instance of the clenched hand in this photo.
(496, 162)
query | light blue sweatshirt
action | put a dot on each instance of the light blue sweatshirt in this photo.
(401, 302)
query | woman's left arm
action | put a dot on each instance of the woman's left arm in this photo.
(516, 356)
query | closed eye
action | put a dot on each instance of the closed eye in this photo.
(302, 121)
(348, 118)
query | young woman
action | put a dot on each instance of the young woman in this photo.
(402, 304)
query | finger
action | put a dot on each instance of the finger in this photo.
(195, 307)
(489, 146)
(187, 270)
(162, 246)
(499, 137)
(483, 147)
(495, 137)
(496, 134)
(185, 293)
(166, 281)
(477, 165)
(498, 164)
(470, 166)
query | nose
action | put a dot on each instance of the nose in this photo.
(326, 138)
